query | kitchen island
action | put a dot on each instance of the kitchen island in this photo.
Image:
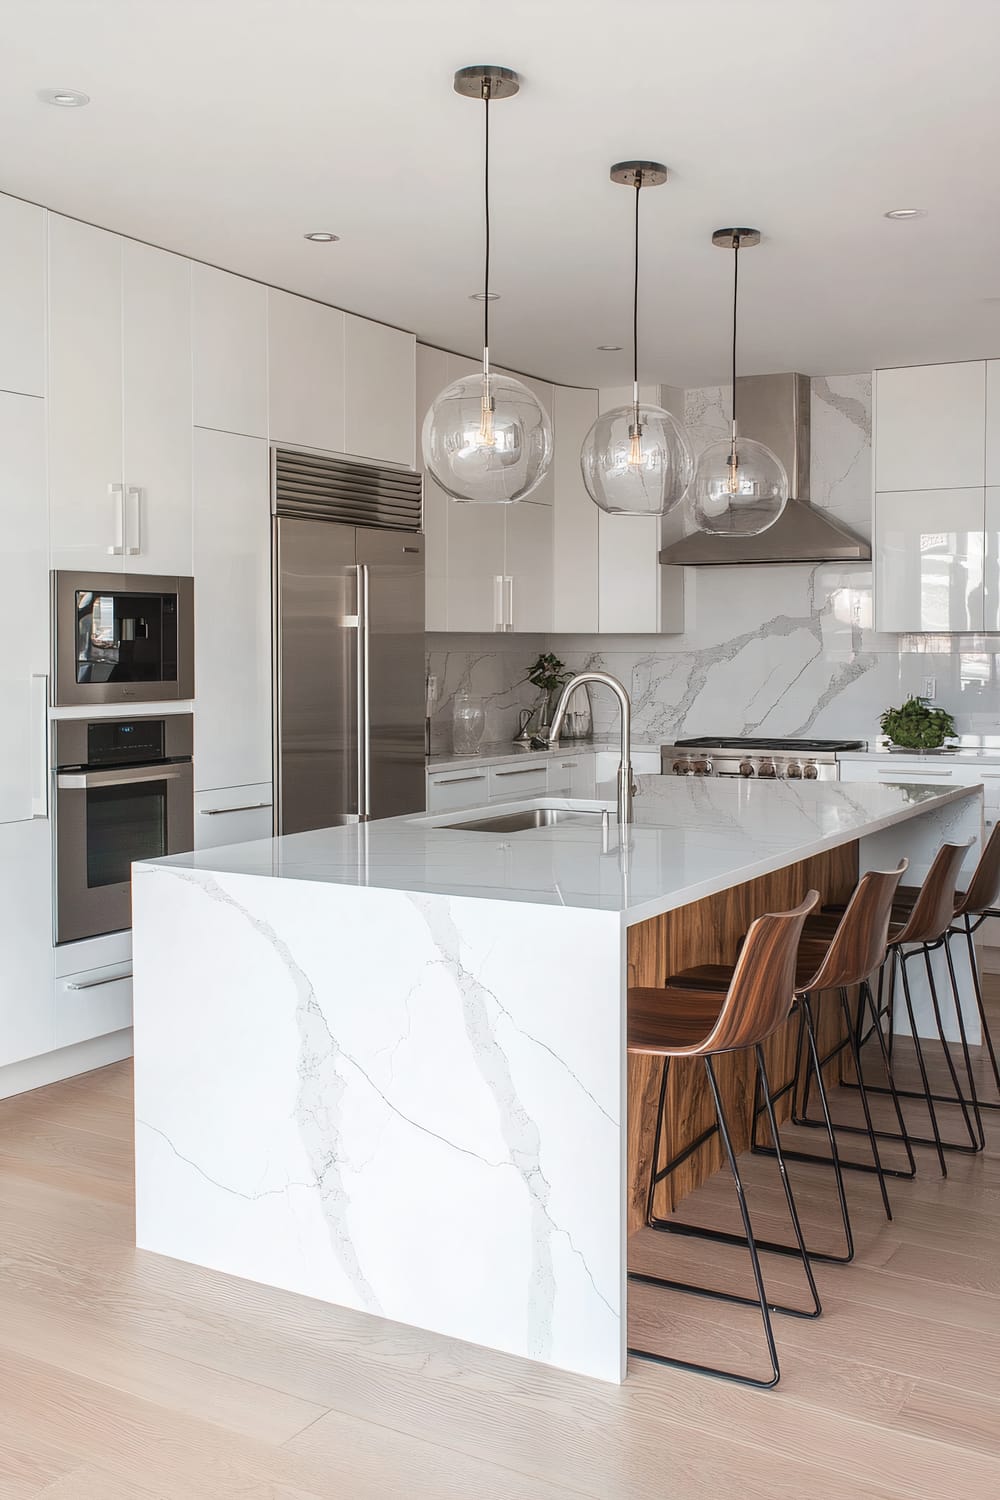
(384, 1064)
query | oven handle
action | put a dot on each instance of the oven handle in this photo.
(82, 781)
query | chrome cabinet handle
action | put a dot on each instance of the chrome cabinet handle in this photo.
(218, 812)
(117, 491)
(40, 753)
(454, 780)
(498, 616)
(82, 781)
(134, 493)
(508, 612)
(364, 713)
(916, 775)
(94, 984)
(528, 771)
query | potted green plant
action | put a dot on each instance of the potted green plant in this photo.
(550, 676)
(917, 726)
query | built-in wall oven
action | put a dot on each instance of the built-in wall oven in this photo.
(124, 791)
(121, 638)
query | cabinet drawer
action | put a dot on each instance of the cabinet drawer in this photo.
(93, 1003)
(233, 815)
(450, 789)
(519, 780)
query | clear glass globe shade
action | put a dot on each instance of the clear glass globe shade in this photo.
(488, 459)
(647, 478)
(760, 496)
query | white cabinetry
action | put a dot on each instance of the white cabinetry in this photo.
(119, 403)
(380, 395)
(929, 547)
(24, 663)
(525, 778)
(26, 958)
(229, 351)
(575, 517)
(447, 790)
(22, 297)
(305, 343)
(232, 552)
(156, 333)
(929, 427)
(233, 815)
(432, 377)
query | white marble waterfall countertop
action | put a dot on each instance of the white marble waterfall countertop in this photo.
(690, 839)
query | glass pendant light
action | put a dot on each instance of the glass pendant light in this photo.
(486, 438)
(740, 487)
(637, 460)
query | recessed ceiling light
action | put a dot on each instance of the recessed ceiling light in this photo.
(321, 237)
(609, 348)
(484, 296)
(905, 213)
(64, 98)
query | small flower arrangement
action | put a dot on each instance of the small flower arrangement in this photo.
(548, 673)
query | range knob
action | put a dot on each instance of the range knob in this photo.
(810, 771)
(793, 770)
(766, 768)
(682, 766)
(702, 766)
(746, 767)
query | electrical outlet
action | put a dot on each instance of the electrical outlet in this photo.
(930, 688)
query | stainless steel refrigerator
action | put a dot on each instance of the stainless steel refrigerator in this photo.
(349, 711)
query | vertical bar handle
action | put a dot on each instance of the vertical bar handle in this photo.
(39, 748)
(508, 607)
(498, 601)
(133, 496)
(364, 706)
(117, 493)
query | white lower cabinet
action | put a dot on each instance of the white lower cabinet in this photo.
(233, 815)
(919, 771)
(528, 778)
(26, 956)
(91, 1003)
(447, 790)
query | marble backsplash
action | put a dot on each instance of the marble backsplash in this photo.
(786, 650)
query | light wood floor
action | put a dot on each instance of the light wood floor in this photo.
(124, 1376)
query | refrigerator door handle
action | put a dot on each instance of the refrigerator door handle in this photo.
(364, 706)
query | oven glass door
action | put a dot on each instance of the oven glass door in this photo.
(105, 820)
(125, 637)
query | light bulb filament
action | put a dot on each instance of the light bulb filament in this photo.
(734, 472)
(487, 431)
(635, 444)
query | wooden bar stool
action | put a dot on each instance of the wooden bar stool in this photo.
(920, 927)
(704, 1023)
(847, 958)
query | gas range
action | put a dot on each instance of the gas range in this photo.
(767, 759)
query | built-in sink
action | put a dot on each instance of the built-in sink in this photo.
(527, 818)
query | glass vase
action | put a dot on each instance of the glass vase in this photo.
(468, 723)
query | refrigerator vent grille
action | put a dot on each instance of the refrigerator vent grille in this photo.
(320, 487)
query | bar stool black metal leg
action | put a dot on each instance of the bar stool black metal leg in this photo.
(984, 1022)
(979, 1140)
(872, 1137)
(891, 1083)
(935, 1130)
(785, 1181)
(761, 1299)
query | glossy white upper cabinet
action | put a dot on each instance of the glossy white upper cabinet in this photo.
(432, 377)
(575, 516)
(156, 348)
(229, 351)
(478, 596)
(528, 584)
(22, 297)
(993, 421)
(86, 494)
(929, 425)
(305, 342)
(991, 605)
(232, 597)
(380, 393)
(929, 560)
(24, 661)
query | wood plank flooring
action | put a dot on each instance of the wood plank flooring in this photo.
(125, 1376)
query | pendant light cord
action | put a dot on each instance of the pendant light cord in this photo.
(486, 212)
(736, 284)
(635, 309)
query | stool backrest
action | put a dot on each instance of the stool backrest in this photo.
(858, 945)
(934, 907)
(762, 990)
(984, 887)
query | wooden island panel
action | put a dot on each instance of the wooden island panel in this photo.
(710, 931)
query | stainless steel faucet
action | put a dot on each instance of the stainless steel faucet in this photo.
(625, 783)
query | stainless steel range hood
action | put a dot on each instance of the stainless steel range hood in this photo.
(774, 409)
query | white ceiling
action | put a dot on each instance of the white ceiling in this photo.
(227, 128)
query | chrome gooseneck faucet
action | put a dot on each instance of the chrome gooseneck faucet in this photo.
(625, 783)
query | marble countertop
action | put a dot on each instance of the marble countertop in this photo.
(497, 752)
(690, 839)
